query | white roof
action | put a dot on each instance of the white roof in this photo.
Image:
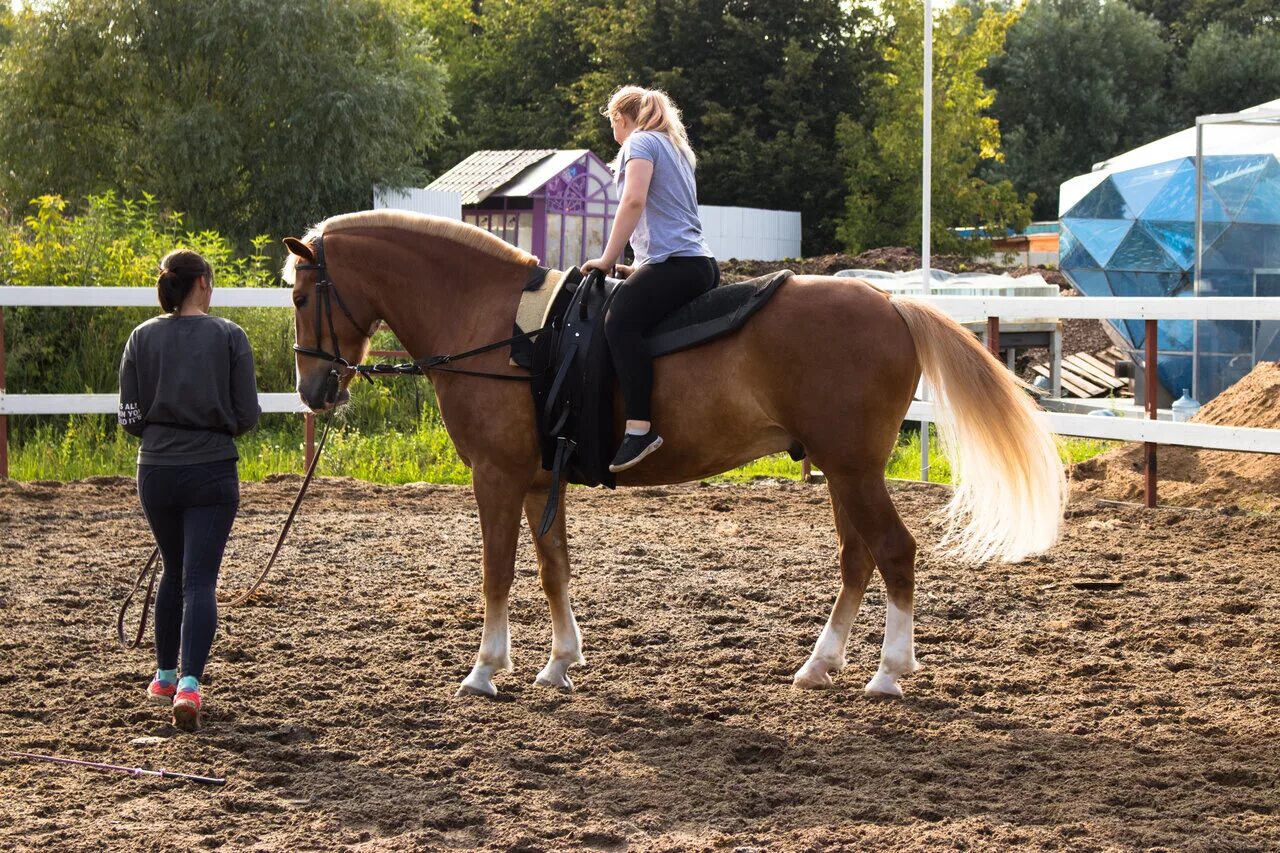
(532, 178)
(1260, 138)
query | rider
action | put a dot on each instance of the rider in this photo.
(658, 213)
(187, 386)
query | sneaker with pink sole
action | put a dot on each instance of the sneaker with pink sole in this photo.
(161, 692)
(186, 710)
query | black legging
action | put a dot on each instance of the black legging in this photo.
(190, 509)
(648, 295)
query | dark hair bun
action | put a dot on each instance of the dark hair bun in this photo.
(179, 272)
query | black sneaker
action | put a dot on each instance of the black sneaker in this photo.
(633, 449)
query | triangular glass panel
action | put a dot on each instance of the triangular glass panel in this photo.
(1139, 186)
(1078, 259)
(1066, 241)
(1263, 204)
(1177, 238)
(1233, 177)
(1135, 331)
(1140, 252)
(1099, 236)
(1103, 202)
(1089, 282)
(1126, 283)
(1176, 200)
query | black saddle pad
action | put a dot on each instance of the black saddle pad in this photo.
(717, 312)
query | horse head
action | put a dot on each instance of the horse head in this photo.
(332, 329)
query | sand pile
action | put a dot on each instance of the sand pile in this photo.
(1206, 478)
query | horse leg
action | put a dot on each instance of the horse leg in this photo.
(856, 566)
(553, 569)
(868, 505)
(498, 499)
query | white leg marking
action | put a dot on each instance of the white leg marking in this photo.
(828, 653)
(897, 655)
(494, 654)
(566, 645)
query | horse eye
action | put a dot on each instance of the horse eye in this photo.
(300, 300)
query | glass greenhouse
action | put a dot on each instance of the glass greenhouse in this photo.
(1128, 229)
(557, 205)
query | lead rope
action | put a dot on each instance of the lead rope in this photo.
(152, 566)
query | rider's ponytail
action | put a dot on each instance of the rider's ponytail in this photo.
(653, 109)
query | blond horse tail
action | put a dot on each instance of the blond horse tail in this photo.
(1010, 486)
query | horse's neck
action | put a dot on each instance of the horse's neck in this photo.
(444, 308)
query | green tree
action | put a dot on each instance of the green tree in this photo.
(884, 163)
(1185, 20)
(1226, 71)
(1079, 81)
(760, 84)
(251, 115)
(512, 66)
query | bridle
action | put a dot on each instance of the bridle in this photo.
(327, 294)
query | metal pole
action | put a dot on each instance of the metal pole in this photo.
(1149, 448)
(4, 419)
(926, 207)
(1195, 282)
(310, 421)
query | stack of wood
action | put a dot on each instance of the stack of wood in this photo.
(1091, 374)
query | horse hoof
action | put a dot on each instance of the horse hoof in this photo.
(563, 682)
(477, 687)
(883, 686)
(812, 678)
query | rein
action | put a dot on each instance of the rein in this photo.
(152, 567)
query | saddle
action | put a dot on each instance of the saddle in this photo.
(573, 379)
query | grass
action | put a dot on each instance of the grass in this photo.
(91, 445)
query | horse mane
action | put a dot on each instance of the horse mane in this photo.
(437, 227)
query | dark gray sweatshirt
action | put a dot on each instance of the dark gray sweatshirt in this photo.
(187, 387)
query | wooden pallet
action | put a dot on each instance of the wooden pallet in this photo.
(1089, 374)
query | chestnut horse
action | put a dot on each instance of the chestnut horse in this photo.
(829, 363)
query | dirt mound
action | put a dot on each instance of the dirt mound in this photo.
(889, 259)
(1191, 477)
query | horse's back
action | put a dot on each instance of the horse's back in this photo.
(826, 359)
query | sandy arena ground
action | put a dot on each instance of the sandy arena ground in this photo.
(1119, 693)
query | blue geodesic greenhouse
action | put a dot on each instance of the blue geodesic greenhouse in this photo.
(1128, 229)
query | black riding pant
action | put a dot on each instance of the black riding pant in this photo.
(648, 295)
(190, 509)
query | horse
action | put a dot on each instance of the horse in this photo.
(828, 364)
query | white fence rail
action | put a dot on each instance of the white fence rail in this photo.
(105, 404)
(1118, 429)
(1140, 430)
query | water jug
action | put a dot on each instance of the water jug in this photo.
(1184, 408)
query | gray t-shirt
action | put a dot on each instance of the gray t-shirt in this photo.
(187, 387)
(669, 226)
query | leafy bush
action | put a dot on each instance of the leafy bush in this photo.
(114, 242)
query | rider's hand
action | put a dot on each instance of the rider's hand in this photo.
(624, 271)
(596, 264)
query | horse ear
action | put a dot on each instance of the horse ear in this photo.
(299, 248)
